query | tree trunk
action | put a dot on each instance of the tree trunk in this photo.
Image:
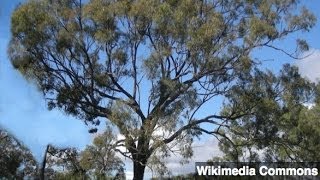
(44, 163)
(138, 170)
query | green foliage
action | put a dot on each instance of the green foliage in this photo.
(280, 127)
(16, 161)
(98, 161)
(157, 61)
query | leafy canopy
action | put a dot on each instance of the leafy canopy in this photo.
(148, 66)
(16, 161)
(285, 127)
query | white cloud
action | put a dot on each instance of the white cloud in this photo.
(129, 175)
(203, 151)
(309, 105)
(309, 67)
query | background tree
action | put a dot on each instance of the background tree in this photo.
(147, 66)
(283, 127)
(62, 163)
(97, 161)
(16, 161)
(100, 159)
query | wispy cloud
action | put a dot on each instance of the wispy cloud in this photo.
(202, 152)
(309, 67)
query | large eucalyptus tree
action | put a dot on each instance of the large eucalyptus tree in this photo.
(148, 67)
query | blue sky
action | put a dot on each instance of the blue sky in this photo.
(23, 110)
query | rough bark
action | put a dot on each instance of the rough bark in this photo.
(138, 170)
